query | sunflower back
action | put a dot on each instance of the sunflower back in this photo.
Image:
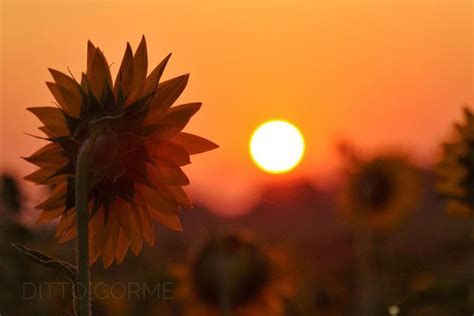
(138, 150)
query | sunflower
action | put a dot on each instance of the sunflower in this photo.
(456, 169)
(137, 148)
(380, 192)
(232, 274)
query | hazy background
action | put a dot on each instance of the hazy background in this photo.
(378, 73)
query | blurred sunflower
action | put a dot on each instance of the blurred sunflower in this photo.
(138, 149)
(11, 197)
(232, 275)
(456, 169)
(381, 191)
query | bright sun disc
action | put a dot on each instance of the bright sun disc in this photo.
(277, 146)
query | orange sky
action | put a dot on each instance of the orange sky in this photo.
(379, 73)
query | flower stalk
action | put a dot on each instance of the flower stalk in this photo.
(82, 300)
(225, 307)
(225, 287)
(366, 272)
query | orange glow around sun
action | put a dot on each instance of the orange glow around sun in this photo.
(343, 69)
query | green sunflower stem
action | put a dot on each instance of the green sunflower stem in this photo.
(82, 293)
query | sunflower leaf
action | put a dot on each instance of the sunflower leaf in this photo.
(38, 257)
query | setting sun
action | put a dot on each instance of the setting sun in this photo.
(277, 146)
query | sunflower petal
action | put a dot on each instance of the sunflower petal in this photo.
(96, 221)
(47, 132)
(193, 144)
(129, 222)
(99, 74)
(158, 201)
(152, 81)
(38, 177)
(67, 222)
(122, 246)
(43, 176)
(95, 247)
(68, 235)
(167, 93)
(69, 91)
(146, 224)
(52, 118)
(96, 235)
(64, 80)
(180, 196)
(112, 230)
(124, 80)
(171, 221)
(50, 214)
(90, 56)
(48, 157)
(70, 230)
(160, 150)
(58, 194)
(66, 99)
(172, 122)
(84, 84)
(167, 174)
(54, 89)
(140, 64)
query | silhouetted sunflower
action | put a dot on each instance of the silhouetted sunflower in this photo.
(381, 191)
(456, 169)
(138, 149)
(231, 273)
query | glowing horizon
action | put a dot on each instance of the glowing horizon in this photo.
(376, 74)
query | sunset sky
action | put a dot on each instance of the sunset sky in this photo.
(377, 73)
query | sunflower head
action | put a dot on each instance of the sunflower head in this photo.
(456, 169)
(379, 192)
(138, 149)
(230, 265)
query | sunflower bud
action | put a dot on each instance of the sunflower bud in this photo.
(106, 162)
